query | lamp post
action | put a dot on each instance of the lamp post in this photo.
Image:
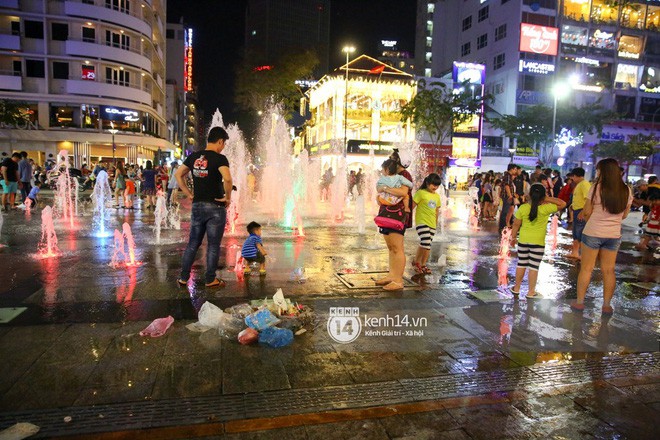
(511, 152)
(558, 91)
(347, 50)
(113, 130)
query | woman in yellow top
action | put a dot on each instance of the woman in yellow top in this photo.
(532, 222)
(427, 206)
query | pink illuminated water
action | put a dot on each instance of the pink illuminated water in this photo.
(48, 244)
(554, 224)
(124, 248)
(119, 253)
(130, 244)
(503, 262)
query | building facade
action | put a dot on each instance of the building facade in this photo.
(277, 27)
(390, 54)
(597, 49)
(80, 68)
(355, 110)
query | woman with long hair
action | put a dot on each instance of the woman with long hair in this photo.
(532, 222)
(607, 204)
(394, 238)
(120, 184)
(149, 185)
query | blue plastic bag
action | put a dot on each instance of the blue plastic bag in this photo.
(261, 319)
(276, 337)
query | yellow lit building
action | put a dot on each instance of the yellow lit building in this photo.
(375, 93)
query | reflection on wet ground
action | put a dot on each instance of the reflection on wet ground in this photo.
(77, 344)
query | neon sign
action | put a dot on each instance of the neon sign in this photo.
(187, 61)
(535, 67)
(538, 39)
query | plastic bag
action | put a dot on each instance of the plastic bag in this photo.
(209, 315)
(240, 310)
(276, 337)
(248, 336)
(230, 326)
(280, 302)
(158, 327)
(261, 319)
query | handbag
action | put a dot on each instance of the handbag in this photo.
(391, 217)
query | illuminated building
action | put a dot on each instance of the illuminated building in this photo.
(390, 54)
(376, 92)
(603, 50)
(81, 67)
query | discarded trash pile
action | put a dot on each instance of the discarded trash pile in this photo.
(272, 322)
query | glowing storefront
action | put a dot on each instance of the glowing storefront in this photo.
(376, 92)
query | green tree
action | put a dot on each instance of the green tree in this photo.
(532, 127)
(627, 152)
(13, 112)
(439, 108)
(257, 84)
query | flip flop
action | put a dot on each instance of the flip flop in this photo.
(426, 270)
(534, 295)
(180, 282)
(216, 283)
(514, 292)
(382, 281)
(577, 306)
(393, 286)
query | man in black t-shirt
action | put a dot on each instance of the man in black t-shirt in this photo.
(212, 194)
(10, 180)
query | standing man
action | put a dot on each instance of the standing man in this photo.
(507, 194)
(25, 174)
(212, 194)
(11, 180)
(579, 199)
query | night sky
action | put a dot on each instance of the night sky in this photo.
(220, 28)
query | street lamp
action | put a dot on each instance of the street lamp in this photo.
(347, 50)
(511, 152)
(558, 91)
(113, 130)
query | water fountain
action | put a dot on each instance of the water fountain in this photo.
(338, 190)
(239, 159)
(554, 224)
(119, 252)
(2, 220)
(65, 194)
(503, 262)
(474, 208)
(160, 214)
(48, 245)
(173, 217)
(102, 200)
(124, 248)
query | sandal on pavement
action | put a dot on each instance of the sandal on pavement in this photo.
(382, 281)
(534, 295)
(180, 282)
(514, 292)
(607, 310)
(426, 270)
(216, 283)
(417, 267)
(577, 306)
(393, 286)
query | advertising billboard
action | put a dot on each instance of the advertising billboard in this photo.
(470, 72)
(187, 60)
(538, 39)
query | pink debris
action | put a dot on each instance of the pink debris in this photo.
(158, 327)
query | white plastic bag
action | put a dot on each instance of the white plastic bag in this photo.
(210, 315)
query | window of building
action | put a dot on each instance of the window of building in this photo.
(60, 31)
(429, 41)
(88, 34)
(88, 73)
(630, 47)
(500, 32)
(574, 35)
(547, 4)
(505, 1)
(18, 68)
(577, 10)
(119, 5)
(430, 8)
(498, 61)
(117, 39)
(627, 76)
(483, 14)
(429, 26)
(467, 23)
(169, 34)
(16, 28)
(35, 68)
(604, 12)
(117, 76)
(60, 70)
(625, 106)
(482, 41)
(650, 82)
(427, 73)
(648, 108)
(465, 49)
(64, 116)
(428, 56)
(540, 19)
(602, 42)
(633, 15)
(498, 88)
(653, 18)
(34, 29)
(89, 115)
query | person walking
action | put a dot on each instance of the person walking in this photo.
(10, 180)
(172, 184)
(212, 186)
(607, 205)
(25, 174)
(427, 205)
(120, 185)
(580, 194)
(507, 194)
(149, 185)
(532, 222)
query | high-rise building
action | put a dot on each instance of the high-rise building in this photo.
(276, 27)
(182, 111)
(79, 68)
(390, 54)
(597, 49)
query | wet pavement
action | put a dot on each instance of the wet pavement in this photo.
(465, 351)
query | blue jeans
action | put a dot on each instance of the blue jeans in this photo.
(578, 225)
(207, 218)
(506, 205)
(609, 244)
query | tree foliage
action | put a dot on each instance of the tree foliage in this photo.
(438, 109)
(255, 87)
(13, 112)
(532, 127)
(627, 152)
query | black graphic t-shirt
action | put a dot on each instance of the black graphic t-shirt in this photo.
(207, 179)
